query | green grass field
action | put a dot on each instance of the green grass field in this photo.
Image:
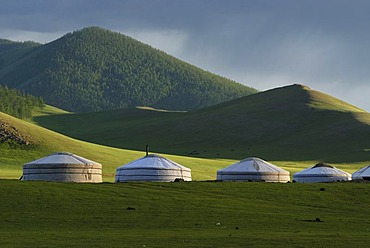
(195, 214)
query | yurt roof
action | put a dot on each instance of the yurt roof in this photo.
(63, 158)
(363, 172)
(255, 165)
(153, 161)
(321, 169)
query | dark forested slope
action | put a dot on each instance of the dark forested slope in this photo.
(96, 69)
(17, 103)
(11, 51)
(7, 45)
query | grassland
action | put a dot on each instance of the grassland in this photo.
(196, 214)
(293, 131)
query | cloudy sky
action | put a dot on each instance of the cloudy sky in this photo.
(324, 44)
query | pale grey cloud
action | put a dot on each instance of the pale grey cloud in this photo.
(262, 43)
(171, 41)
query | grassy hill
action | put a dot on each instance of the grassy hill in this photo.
(96, 69)
(196, 214)
(22, 142)
(292, 124)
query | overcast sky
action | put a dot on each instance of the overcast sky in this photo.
(324, 44)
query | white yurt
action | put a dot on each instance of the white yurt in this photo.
(253, 169)
(63, 167)
(321, 173)
(152, 168)
(363, 173)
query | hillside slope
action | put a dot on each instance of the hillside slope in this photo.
(11, 51)
(22, 142)
(293, 123)
(8, 45)
(96, 69)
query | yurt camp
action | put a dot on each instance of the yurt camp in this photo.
(253, 169)
(63, 167)
(321, 172)
(154, 168)
(362, 174)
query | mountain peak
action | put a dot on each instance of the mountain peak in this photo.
(95, 69)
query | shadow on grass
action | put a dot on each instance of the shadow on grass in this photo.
(303, 134)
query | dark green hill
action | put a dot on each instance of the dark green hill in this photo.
(8, 45)
(95, 69)
(293, 123)
(11, 51)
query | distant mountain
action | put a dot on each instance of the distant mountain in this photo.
(7, 45)
(95, 69)
(292, 123)
(11, 51)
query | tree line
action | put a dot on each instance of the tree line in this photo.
(18, 103)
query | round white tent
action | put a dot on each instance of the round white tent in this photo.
(152, 168)
(321, 173)
(253, 169)
(63, 167)
(363, 173)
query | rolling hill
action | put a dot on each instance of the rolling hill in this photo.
(22, 142)
(96, 69)
(292, 123)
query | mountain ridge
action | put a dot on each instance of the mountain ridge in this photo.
(96, 69)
